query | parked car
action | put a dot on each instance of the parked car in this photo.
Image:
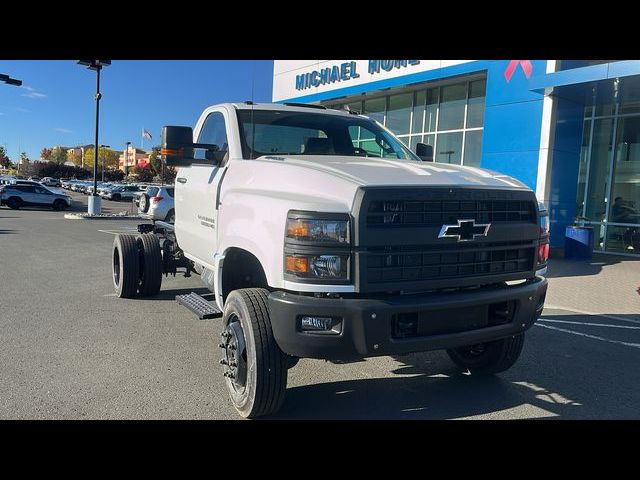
(50, 182)
(34, 179)
(157, 203)
(122, 192)
(21, 195)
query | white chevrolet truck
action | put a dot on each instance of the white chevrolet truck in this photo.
(320, 235)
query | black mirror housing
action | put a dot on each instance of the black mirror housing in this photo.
(425, 152)
(177, 146)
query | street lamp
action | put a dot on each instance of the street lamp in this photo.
(126, 159)
(103, 146)
(10, 81)
(94, 199)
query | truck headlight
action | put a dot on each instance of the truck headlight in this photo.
(313, 266)
(317, 247)
(301, 227)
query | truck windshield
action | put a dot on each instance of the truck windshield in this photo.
(274, 132)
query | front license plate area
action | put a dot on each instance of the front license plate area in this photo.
(439, 322)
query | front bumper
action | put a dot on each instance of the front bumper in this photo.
(368, 324)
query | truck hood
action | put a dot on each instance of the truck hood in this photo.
(380, 171)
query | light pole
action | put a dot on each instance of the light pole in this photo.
(126, 159)
(94, 199)
(103, 146)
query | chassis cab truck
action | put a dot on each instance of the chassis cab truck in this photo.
(320, 235)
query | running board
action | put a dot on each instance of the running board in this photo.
(203, 308)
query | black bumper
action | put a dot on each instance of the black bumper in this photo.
(369, 326)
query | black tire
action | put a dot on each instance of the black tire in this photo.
(116, 197)
(59, 205)
(171, 216)
(143, 203)
(14, 203)
(150, 265)
(266, 366)
(125, 265)
(488, 358)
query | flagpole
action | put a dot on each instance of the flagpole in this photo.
(143, 139)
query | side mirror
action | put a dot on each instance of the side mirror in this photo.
(178, 148)
(425, 152)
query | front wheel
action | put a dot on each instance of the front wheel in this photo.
(488, 358)
(255, 368)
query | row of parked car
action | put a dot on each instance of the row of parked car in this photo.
(16, 193)
(153, 201)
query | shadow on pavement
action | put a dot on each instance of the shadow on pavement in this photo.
(6, 232)
(559, 375)
(560, 267)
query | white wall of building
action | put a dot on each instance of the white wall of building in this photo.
(286, 71)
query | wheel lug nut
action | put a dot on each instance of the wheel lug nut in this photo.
(233, 364)
(223, 362)
(233, 347)
(221, 345)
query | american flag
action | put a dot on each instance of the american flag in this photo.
(146, 134)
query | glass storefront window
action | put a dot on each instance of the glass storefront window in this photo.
(399, 113)
(452, 103)
(584, 165)
(625, 194)
(375, 108)
(472, 148)
(435, 116)
(418, 111)
(475, 107)
(623, 239)
(449, 148)
(599, 167)
(431, 112)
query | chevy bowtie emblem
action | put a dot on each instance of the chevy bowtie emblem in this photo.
(465, 230)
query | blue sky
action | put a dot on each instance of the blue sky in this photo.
(55, 105)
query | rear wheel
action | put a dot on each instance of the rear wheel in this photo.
(14, 203)
(116, 197)
(150, 264)
(126, 265)
(488, 358)
(255, 368)
(59, 205)
(143, 203)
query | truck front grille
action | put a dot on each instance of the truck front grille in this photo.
(415, 263)
(389, 213)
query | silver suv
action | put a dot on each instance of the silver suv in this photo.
(157, 204)
(16, 196)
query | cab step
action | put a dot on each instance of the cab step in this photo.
(203, 308)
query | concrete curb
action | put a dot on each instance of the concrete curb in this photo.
(86, 216)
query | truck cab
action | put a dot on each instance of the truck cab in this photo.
(321, 235)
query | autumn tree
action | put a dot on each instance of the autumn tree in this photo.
(59, 155)
(74, 156)
(45, 153)
(109, 157)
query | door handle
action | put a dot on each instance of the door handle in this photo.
(181, 180)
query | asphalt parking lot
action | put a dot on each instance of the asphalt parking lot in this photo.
(69, 349)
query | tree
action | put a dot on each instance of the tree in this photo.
(155, 160)
(4, 159)
(59, 155)
(45, 154)
(143, 174)
(110, 158)
(24, 157)
(75, 157)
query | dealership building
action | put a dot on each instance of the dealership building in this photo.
(569, 129)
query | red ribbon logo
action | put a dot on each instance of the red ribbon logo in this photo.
(527, 68)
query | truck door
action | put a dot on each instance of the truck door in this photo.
(196, 194)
